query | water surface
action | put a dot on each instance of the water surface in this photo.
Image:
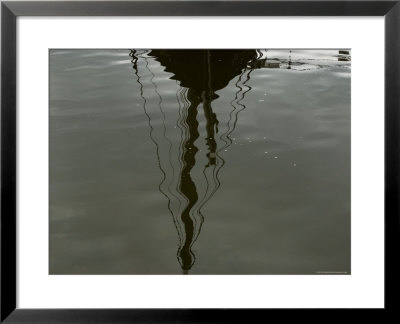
(199, 162)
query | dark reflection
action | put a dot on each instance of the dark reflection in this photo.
(344, 55)
(200, 73)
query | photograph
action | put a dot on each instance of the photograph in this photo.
(200, 161)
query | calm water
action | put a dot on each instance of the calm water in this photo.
(199, 162)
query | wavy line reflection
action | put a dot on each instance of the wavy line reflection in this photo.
(198, 75)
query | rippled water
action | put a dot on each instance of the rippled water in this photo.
(199, 162)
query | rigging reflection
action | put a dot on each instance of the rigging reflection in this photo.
(199, 74)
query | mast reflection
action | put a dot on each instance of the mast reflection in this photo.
(199, 73)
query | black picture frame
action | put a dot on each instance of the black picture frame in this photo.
(10, 10)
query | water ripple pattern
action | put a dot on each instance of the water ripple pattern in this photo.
(200, 161)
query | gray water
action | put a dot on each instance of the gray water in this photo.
(165, 169)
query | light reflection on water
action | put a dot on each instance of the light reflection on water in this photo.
(247, 150)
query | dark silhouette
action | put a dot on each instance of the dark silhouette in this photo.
(202, 73)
